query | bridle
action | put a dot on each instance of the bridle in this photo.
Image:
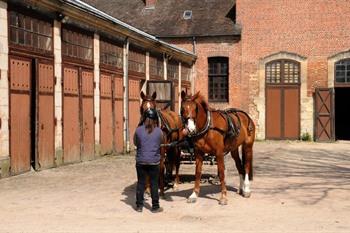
(206, 127)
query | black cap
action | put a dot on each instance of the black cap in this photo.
(151, 113)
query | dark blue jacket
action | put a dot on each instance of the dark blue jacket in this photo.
(148, 145)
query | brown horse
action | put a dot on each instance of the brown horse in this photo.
(218, 132)
(171, 125)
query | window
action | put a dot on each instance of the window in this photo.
(156, 66)
(30, 32)
(76, 45)
(111, 54)
(282, 72)
(185, 72)
(342, 71)
(218, 79)
(187, 14)
(137, 61)
(173, 70)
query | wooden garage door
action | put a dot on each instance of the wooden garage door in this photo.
(20, 133)
(45, 126)
(324, 114)
(88, 125)
(283, 100)
(134, 107)
(118, 113)
(106, 106)
(71, 118)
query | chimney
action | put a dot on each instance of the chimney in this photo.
(150, 4)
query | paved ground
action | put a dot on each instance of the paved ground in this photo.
(298, 187)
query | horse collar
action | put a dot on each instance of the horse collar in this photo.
(206, 127)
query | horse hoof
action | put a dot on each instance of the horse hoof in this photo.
(246, 194)
(223, 201)
(191, 200)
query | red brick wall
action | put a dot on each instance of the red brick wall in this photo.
(209, 47)
(314, 29)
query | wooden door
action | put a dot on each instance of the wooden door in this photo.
(71, 118)
(20, 111)
(45, 114)
(88, 126)
(282, 112)
(324, 114)
(118, 113)
(134, 108)
(106, 113)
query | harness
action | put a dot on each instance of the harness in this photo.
(164, 124)
(233, 129)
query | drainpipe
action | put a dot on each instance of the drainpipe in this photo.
(179, 90)
(194, 45)
(193, 68)
(126, 134)
(165, 62)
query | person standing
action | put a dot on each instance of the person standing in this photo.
(147, 139)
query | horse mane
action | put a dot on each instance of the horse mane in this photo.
(199, 98)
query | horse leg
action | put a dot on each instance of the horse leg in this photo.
(240, 169)
(221, 171)
(247, 150)
(177, 168)
(199, 163)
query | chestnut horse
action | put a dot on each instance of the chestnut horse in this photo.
(171, 125)
(218, 132)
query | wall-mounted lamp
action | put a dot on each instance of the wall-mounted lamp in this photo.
(62, 18)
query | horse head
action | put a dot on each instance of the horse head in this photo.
(193, 110)
(148, 102)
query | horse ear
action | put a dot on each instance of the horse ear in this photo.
(154, 95)
(142, 95)
(183, 95)
(195, 96)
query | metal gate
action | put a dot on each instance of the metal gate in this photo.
(118, 113)
(20, 97)
(106, 120)
(134, 107)
(324, 114)
(45, 127)
(88, 132)
(71, 122)
(282, 112)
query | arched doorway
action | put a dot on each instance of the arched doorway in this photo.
(341, 98)
(282, 78)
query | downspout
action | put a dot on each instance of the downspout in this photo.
(179, 89)
(193, 68)
(126, 96)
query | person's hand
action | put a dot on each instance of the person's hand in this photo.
(184, 131)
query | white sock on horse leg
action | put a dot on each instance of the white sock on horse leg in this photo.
(193, 195)
(246, 184)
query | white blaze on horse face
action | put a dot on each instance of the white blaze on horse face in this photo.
(148, 105)
(191, 126)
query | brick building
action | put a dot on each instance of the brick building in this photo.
(70, 82)
(288, 62)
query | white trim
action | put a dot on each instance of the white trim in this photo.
(306, 102)
(331, 69)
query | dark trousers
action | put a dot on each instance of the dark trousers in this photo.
(153, 172)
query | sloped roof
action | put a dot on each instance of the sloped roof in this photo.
(209, 17)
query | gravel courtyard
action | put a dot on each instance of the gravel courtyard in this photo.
(298, 187)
